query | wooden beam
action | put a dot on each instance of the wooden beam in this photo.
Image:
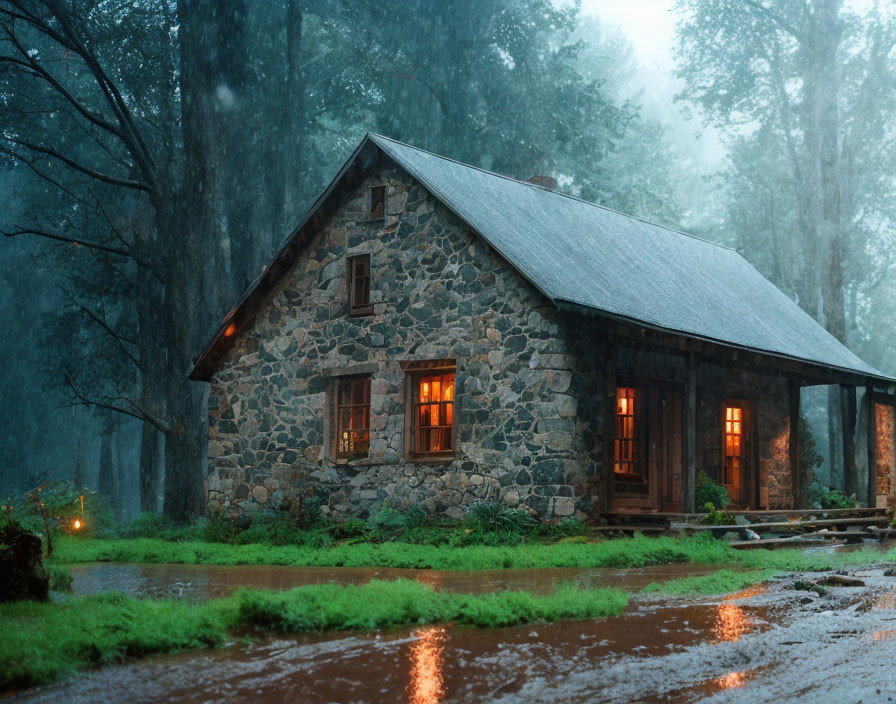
(609, 416)
(871, 414)
(690, 419)
(793, 389)
(848, 417)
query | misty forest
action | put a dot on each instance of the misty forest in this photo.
(155, 156)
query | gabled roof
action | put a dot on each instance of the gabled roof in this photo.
(579, 254)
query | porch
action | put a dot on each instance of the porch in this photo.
(677, 408)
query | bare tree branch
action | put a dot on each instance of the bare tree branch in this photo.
(134, 185)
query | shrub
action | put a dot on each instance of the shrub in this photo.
(495, 517)
(708, 492)
(389, 523)
(828, 497)
(714, 517)
(564, 528)
(219, 527)
(62, 504)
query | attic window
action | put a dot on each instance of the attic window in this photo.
(359, 285)
(377, 202)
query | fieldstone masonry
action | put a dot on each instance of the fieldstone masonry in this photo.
(438, 292)
(530, 389)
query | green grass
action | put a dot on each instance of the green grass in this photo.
(618, 553)
(633, 552)
(43, 642)
(719, 582)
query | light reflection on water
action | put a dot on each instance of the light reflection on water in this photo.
(732, 680)
(426, 657)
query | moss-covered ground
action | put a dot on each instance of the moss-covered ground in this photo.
(43, 642)
(617, 553)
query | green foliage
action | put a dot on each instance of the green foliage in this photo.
(564, 528)
(714, 517)
(152, 525)
(60, 578)
(719, 582)
(708, 492)
(618, 553)
(62, 503)
(43, 642)
(96, 630)
(828, 497)
(810, 458)
(389, 522)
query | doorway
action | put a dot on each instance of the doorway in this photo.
(648, 447)
(737, 476)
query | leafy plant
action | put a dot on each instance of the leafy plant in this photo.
(828, 497)
(715, 517)
(708, 492)
(495, 517)
(389, 522)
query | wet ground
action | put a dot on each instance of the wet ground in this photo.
(765, 644)
(198, 582)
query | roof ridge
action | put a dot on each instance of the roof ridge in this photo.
(556, 193)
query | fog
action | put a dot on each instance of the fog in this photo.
(154, 155)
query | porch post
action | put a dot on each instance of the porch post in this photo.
(793, 389)
(848, 424)
(609, 416)
(690, 418)
(871, 415)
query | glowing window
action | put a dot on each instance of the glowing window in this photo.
(733, 443)
(352, 417)
(625, 457)
(433, 417)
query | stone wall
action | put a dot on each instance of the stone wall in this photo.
(530, 391)
(524, 431)
(886, 456)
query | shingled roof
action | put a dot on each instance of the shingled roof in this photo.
(584, 255)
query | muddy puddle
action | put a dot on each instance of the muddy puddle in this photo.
(773, 642)
(419, 666)
(198, 582)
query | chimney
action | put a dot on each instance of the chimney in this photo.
(543, 181)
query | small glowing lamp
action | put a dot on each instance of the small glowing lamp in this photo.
(230, 329)
(77, 524)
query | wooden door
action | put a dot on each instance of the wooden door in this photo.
(736, 451)
(664, 433)
(648, 460)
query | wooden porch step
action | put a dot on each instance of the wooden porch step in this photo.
(784, 514)
(777, 543)
(776, 526)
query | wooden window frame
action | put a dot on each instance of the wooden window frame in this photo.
(364, 308)
(377, 196)
(620, 440)
(338, 384)
(415, 372)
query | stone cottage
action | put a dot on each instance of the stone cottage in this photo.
(434, 334)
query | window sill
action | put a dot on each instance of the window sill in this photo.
(431, 459)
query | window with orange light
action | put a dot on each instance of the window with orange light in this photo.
(352, 417)
(733, 443)
(625, 450)
(433, 413)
